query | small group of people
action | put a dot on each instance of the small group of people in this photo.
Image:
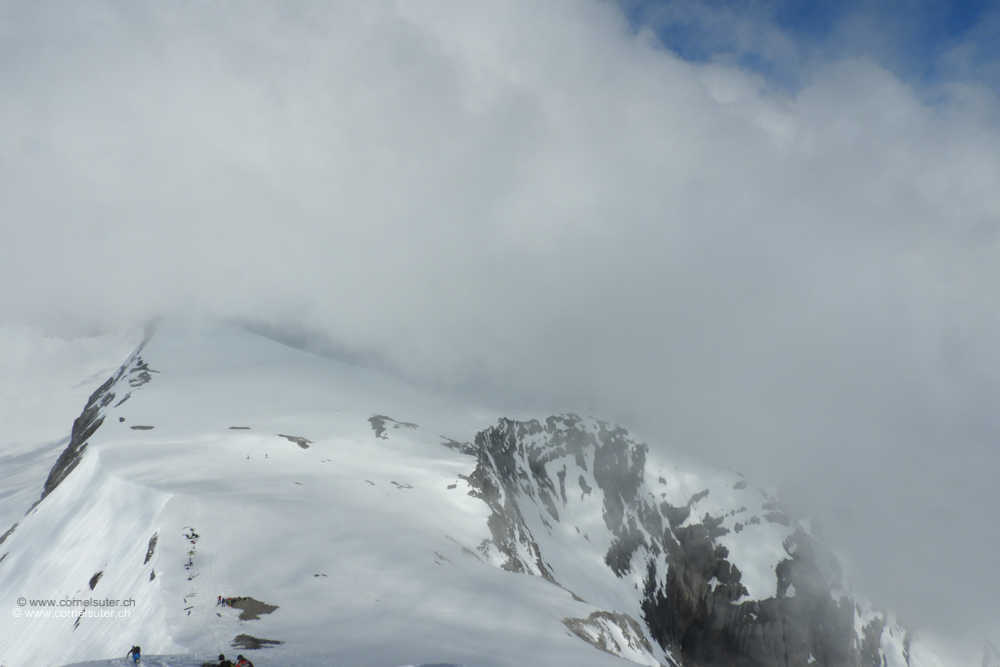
(226, 602)
(134, 652)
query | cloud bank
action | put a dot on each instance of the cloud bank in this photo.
(534, 203)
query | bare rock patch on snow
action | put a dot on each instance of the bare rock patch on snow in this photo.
(249, 643)
(251, 609)
(378, 423)
(301, 442)
(151, 549)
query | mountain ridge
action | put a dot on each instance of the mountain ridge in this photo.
(651, 562)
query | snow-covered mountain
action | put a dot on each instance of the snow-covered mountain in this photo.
(356, 521)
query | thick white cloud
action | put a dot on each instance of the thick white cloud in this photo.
(528, 201)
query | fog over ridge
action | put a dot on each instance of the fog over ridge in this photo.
(534, 204)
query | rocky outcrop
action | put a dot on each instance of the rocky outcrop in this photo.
(134, 373)
(497, 481)
(693, 602)
(611, 632)
(379, 422)
(697, 610)
(512, 459)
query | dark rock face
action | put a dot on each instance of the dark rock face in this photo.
(8, 533)
(135, 372)
(495, 482)
(85, 426)
(512, 459)
(691, 592)
(710, 627)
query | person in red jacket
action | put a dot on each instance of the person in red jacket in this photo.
(243, 662)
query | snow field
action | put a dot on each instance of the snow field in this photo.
(395, 549)
(357, 539)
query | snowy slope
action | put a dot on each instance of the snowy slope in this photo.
(373, 517)
(374, 525)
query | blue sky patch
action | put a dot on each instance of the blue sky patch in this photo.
(925, 42)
